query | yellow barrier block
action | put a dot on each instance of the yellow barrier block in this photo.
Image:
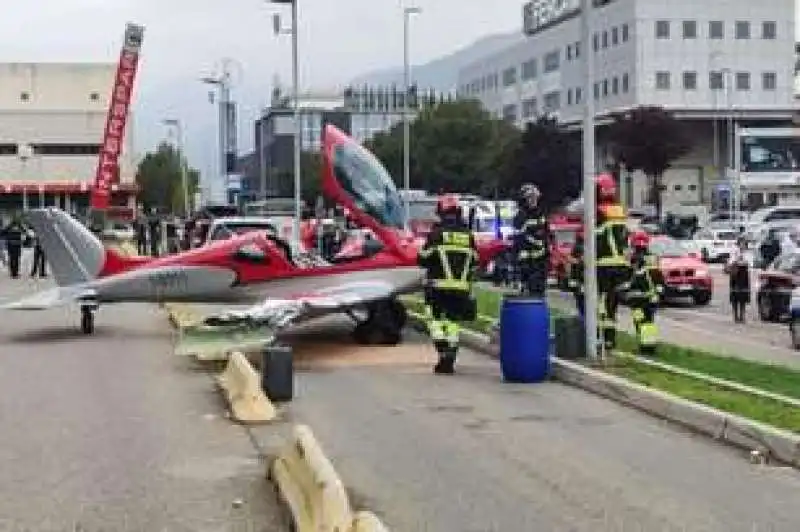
(311, 487)
(367, 522)
(242, 387)
(182, 316)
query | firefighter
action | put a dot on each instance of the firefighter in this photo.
(644, 292)
(532, 241)
(449, 257)
(575, 274)
(613, 268)
(14, 235)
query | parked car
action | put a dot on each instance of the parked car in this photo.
(776, 285)
(794, 319)
(685, 274)
(715, 245)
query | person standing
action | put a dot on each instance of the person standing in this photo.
(141, 235)
(14, 235)
(738, 271)
(532, 241)
(449, 257)
(39, 264)
(154, 224)
(644, 292)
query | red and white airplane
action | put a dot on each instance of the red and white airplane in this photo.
(254, 268)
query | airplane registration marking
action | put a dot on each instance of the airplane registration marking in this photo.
(168, 281)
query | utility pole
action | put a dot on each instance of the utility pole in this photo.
(407, 13)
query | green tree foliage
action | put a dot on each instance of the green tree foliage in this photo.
(549, 157)
(310, 176)
(649, 139)
(455, 146)
(159, 179)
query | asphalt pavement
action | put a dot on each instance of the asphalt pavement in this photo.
(113, 433)
(468, 453)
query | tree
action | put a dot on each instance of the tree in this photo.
(550, 158)
(455, 146)
(649, 139)
(310, 176)
(160, 181)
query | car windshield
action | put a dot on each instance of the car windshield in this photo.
(663, 247)
(368, 184)
(228, 230)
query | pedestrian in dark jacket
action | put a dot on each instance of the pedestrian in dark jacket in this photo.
(14, 235)
(738, 271)
(39, 264)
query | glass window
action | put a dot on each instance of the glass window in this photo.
(625, 83)
(578, 95)
(605, 88)
(529, 69)
(769, 81)
(509, 76)
(615, 85)
(577, 50)
(529, 108)
(569, 96)
(769, 30)
(552, 101)
(510, 113)
(690, 80)
(743, 81)
(716, 81)
(569, 52)
(716, 29)
(662, 81)
(770, 154)
(625, 33)
(596, 42)
(689, 29)
(596, 91)
(742, 29)
(364, 179)
(662, 29)
(552, 61)
(614, 36)
(605, 39)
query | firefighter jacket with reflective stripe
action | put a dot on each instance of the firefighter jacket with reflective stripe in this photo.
(647, 282)
(611, 236)
(449, 257)
(532, 238)
(575, 279)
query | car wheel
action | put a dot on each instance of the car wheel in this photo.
(794, 330)
(701, 298)
(766, 311)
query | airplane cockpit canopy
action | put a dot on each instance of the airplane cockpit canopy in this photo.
(368, 184)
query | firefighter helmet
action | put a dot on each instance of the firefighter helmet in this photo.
(447, 204)
(606, 187)
(640, 239)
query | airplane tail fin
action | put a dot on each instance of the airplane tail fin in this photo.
(74, 254)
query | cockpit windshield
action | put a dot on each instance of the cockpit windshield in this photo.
(368, 184)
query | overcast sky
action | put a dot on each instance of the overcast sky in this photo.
(185, 39)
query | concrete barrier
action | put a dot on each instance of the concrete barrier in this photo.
(311, 488)
(182, 316)
(241, 385)
(367, 522)
(731, 429)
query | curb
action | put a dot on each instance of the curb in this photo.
(242, 388)
(731, 429)
(309, 485)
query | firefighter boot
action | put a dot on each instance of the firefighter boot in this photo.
(447, 361)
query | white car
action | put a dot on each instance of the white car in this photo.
(715, 245)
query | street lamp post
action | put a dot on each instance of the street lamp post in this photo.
(589, 199)
(296, 113)
(178, 125)
(223, 84)
(407, 13)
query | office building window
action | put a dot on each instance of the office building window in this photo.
(529, 70)
(626, 84)
(615, 85)
(510, 113)
(716, 81)
(577, 50)
(552, 61)
(614, 36)
(552, 101)
(769, 81)
(769, 29)
(689, 29)
(569, 52)
(716, 29)
(605, 39)
(578, 96)
(595, 42)
(662, 29)
(625, 33)
(743, 81)
(569, 96)
(662, 81)
(509, 76)
(742, 29)
(596, 91)
(690, 81)
(605, 88)
(529, 108)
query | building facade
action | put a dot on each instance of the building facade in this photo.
(52, 118)
(718, 65)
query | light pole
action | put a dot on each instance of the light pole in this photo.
(178, 125)
(407, 13)
(223, 84)
(589, 199)
(296, 113)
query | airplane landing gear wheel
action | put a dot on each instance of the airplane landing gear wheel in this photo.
(87, 321)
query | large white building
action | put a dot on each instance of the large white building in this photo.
(718, 64)
(52, 118)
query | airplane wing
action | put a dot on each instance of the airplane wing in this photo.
(277, 314)
(51, 298)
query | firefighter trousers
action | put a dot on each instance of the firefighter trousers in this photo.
(444, 309)
(609, 279)
(644, 316)
(534, 277)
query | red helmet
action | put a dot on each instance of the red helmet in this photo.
(606, 187)
(447, 204)
(640, 239)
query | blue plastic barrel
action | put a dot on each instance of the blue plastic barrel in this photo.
(524, 339)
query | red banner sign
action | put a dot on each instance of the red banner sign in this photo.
(114, 133)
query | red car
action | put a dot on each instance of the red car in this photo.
(685, 274)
